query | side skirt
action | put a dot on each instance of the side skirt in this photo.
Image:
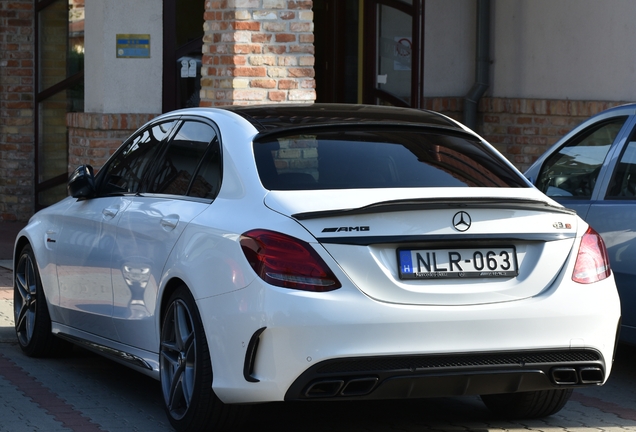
(140, 360)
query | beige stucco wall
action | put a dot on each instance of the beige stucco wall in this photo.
(564, 49)
(115, 85)
(449, 40)
(546, 49)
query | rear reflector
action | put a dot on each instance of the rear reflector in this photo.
(592, 262)
(287, 262)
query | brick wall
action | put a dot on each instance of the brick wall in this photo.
(257, 51)
(93, 137)
(16, 110)
(523, 129)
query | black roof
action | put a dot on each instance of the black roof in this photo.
(267, 118)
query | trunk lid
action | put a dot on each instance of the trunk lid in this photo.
(438, 246)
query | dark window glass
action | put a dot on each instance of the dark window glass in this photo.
(386, 158)
(124, 173)
(59, 68)
(175, 174)
(572, 171)
(61, 41)
(207, 182)
(623, 184)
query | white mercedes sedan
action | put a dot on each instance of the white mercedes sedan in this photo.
(319, 252)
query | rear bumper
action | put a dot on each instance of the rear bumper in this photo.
(344, 344)
(399, 377)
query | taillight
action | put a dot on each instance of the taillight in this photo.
(287, 262)
(592, 263)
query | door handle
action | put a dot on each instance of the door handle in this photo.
(169, 223)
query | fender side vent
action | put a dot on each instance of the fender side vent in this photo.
(250, 356)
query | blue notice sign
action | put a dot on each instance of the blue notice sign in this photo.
(133, 46)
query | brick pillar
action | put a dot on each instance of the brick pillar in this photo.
(257, 51)
(16, 110)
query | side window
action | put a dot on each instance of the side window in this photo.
(125, 172)
(178, 170)
(207, 182)
(623, 184)
(573, 170)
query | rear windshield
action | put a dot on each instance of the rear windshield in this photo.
(383, 158)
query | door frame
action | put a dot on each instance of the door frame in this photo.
(171, 53)
(370, 92)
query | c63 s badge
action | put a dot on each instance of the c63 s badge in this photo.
(561, 225)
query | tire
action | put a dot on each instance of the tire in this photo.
(527, 405)
(185, 369)
(30, 309)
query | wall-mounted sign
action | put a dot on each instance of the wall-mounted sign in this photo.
(133, 46)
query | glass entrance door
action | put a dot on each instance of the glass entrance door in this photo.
(60, 90)
(393, 52)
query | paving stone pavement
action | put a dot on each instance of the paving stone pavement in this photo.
(82, 392)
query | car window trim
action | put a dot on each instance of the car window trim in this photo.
(175, 197)
(613, 159)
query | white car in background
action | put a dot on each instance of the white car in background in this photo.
(319, 252)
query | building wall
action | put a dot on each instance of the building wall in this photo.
(449, 47)
(122, 85)
(16, 110)
(523, 128)
(564, 50)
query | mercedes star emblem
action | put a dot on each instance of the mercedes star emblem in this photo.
(461, 221)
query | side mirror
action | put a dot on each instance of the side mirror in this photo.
(81, 184)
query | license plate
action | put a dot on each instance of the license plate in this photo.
(457, 263)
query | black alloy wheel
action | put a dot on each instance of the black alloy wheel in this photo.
(185, 370)
(31, 314)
